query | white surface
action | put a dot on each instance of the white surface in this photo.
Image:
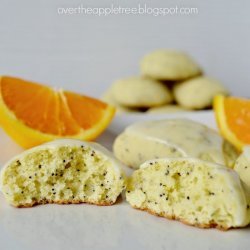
(83, 226)
(87, 53)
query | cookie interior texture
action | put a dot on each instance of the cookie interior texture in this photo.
(193, 191)
(62, 174)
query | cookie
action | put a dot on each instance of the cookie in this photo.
(242, 166)
(170, 138)
(109, 98)
(196, 192)
(198, 93)
(63, 171)
(230, 153)
(137, 92)
(167, 109)
(169, 65)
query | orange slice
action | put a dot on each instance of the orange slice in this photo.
(233, 119)
(33, 114)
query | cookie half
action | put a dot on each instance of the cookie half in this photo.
(63, 171)
(193, 191)
(169, 65)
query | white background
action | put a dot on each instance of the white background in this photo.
(87, 53)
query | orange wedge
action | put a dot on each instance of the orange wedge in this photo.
(233, 119)
(32, 114)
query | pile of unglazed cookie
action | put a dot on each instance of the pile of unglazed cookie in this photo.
(170, 81)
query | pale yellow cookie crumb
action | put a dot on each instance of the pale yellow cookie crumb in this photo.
(63, 171)
(196, 192)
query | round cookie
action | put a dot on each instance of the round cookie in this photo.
(193, 191)
(156, 139)
(108, 98)
(167, 109)
(63, 171)
(198, 93)
(242, 166)
(169, 65)
(140, 92)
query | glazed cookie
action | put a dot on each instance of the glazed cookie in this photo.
(190, 190)
(169, 65)
(171, 138)
(167, 109)
(109, 98)
(141, 92)
(198, 93)
(231, 153)
(63, 171)
(242, 166)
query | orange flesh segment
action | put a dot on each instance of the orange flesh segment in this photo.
(50, 117)
(52, 112)
(68, 125)
(237, 113)
(22, 98)
(85, 110)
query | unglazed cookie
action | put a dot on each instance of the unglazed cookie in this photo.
(193, 191)
(109, 98)
(171, 138)
(167, 109)
(169, 65)
(141, 92)
(198, 93)
(242, 166)
(63, 171)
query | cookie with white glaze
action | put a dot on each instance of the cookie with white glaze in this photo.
(195, 192)
(148, 140)
(242, 166)
(63, 171)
